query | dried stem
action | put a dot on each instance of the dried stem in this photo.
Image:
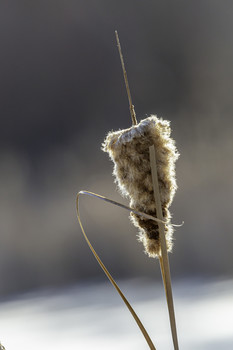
(164, 261)
(131, 106)
(136, 318)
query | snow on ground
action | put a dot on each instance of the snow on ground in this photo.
(94, 317)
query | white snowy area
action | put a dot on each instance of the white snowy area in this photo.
(92, 316)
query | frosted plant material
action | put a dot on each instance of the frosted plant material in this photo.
(129, 150)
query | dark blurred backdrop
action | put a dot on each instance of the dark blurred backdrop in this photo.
(62, 90)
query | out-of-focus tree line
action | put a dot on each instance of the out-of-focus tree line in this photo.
(62, 90)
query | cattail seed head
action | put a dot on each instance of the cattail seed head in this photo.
(129, 150)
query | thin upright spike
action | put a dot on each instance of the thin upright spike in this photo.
(131, 106)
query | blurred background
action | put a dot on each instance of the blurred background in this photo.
(62, 90)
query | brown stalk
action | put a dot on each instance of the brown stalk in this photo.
(164, 260)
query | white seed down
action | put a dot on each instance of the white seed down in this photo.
(129, 151)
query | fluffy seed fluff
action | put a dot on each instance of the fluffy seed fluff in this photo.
(129, 150)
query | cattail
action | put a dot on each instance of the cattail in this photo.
(129, 150)
(144, 159)
(2, 347)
